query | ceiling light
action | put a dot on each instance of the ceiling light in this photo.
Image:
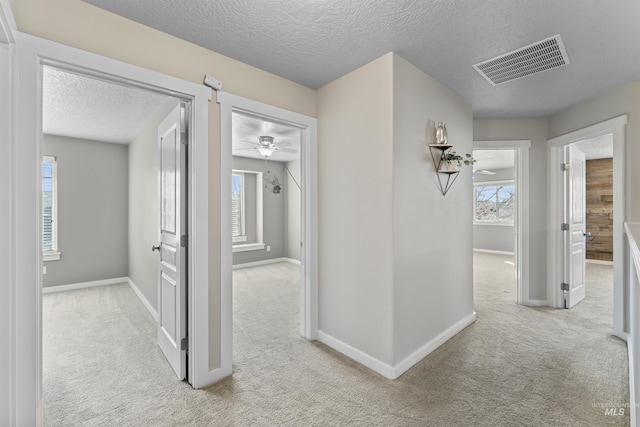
(265, 151)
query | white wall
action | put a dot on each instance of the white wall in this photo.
(292, 211)
(432, 234)
(92, 210)
(144, 205)
(535, 130)
(355, 209)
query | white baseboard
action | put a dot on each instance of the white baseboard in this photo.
(83, 285)
(393, 372)
(536, 303)
(357, 355)
(423, 351)
(598, 261)
(152, 311)
(633, 404)
(265, 262)
(489, 251)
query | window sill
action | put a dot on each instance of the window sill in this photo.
(51, 256)
(495, 224)
(248, 247)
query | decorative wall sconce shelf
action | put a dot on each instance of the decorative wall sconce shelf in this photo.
(438, 152)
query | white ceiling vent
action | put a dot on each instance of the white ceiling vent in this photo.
(537, 57)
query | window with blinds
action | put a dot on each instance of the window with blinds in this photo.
(49, 209)
(237, 207)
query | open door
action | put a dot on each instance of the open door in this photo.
(574, 227)
(172, 296)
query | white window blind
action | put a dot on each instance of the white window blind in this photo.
(49, 209)
(237, 207)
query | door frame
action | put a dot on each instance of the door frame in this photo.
(309, 223)
(32, 53)
(555, 148)
(521, 150)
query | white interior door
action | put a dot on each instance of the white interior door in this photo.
(575, 245)
(172, 324)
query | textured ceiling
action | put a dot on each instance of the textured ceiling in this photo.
(314, 42)
(86, 108)
(246, 130)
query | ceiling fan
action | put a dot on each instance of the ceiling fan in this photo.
(266, 146)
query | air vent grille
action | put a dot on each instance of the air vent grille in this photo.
(535, 58)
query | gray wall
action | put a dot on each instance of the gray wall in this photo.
(273, 210)
(144, 205)
(292, 221)
(537, 131)
(622, 100)
(494, 237)
(92, 210)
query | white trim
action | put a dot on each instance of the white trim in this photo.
(393, 372)
(265, 262)
(359, 356)
(32, 54)
(239, 239)
(83, 285)
(51, 256)
(535, 303)
(522, 239)
(555, 147)
(309, 224)
(152, 311)
(8, 27)
(494, 224)
(598, 261)
(491, 251)
(247, 247)
(425, 350)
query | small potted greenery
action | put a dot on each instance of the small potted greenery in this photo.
(453, 160)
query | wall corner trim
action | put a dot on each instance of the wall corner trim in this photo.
(357, 355)
(430, 346)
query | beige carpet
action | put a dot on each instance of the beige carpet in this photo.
(515, 366)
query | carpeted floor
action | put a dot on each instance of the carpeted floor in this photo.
(515, 366)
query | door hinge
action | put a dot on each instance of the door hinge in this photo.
(564, 227)
(564, 167)
(183, 138)
(184, 240)
(564, 287)
(184, 343)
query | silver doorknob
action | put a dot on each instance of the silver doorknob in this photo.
(155, 248)
(587, 234)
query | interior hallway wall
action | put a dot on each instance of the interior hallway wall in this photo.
(144, 205)
(537, 131)
(92, 210)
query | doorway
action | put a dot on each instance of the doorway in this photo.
(558, 262)
(306, 126)
(33, 54)
(503, 167)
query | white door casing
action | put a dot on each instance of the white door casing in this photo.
(575, 217)
(172, 322)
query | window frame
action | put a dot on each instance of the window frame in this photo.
(242, 237)
(52, 254)
(497, 223)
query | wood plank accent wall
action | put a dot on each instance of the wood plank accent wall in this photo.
(599, 177)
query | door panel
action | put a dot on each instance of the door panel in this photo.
(172, 322)
(575, 244)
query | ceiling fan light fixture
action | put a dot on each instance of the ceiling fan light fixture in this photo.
(265, 151)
